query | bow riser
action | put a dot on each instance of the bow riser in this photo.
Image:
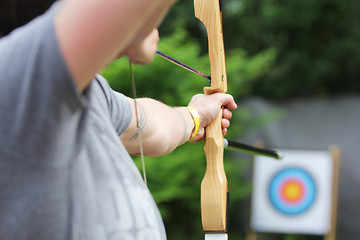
(214, 187)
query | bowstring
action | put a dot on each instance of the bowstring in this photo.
(137, 122)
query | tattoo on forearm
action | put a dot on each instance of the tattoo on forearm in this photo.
(141, 119)
(184, 121)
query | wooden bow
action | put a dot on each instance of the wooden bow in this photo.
(214, 187)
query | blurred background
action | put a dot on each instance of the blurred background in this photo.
(294, 69)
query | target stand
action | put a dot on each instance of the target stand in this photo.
(297, 195)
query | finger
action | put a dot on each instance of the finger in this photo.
(226, 100)
(199, 136)
(226, 113)
(230, 102)
(224, 131)
(225, 123)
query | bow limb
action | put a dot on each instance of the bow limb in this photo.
(214, 187)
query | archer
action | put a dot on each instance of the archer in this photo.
(66, 136)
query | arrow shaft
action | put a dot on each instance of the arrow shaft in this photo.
(241, 147)
(183, 65)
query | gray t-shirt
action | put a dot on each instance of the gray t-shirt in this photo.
(64, 173)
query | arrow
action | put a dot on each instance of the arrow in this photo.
(173, 60)
(241, 147)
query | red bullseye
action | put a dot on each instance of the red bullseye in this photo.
(292, 191)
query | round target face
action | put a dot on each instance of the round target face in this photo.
(292, 191)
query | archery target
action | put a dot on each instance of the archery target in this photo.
(292, 195)
(292, 191)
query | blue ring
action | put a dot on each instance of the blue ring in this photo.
(309, 191)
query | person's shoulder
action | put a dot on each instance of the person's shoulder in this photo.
(101, 81)
(111, 103)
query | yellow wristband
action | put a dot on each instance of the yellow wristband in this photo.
(196, 118)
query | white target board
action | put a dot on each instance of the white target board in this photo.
(293, 195)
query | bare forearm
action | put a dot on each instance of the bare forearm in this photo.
(162, 128)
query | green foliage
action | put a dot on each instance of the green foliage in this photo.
(244, 70)
(317, 44)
